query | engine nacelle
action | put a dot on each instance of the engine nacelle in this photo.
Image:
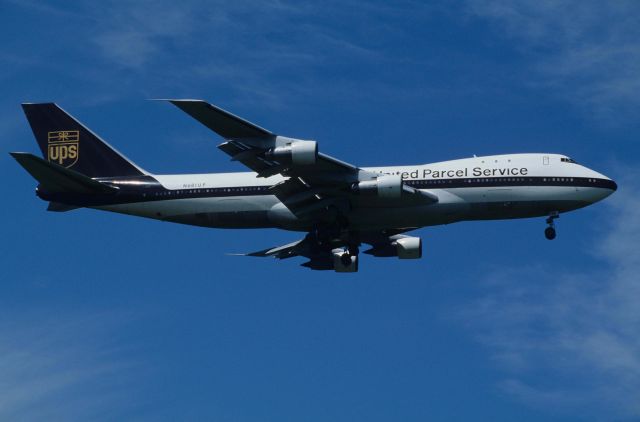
(343, 262)
(388, 186)
(404, 247)
(409, 247)
(298, 153)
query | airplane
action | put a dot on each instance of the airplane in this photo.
(294, 186)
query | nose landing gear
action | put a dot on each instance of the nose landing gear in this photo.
(550, 231)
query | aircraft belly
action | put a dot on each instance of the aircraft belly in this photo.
(228, 212)
(416, 216)
(455, 204)
(522, 201)
(478, 204)
(449, 208)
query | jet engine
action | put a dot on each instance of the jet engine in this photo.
(404, 247)
(385, 186)
(298, 153)
(409, 247)
(344, 262)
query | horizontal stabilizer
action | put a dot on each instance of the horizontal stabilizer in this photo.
(225, 124)
(55, 178)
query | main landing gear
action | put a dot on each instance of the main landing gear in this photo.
(550, 231)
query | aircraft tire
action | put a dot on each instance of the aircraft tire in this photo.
(550, 233)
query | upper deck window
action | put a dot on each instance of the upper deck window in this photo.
(568, 160)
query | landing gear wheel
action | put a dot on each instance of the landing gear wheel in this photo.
(550, 233)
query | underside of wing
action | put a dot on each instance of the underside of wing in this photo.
(281, 252)
(320, 257)
(309, 202)
(338, 251)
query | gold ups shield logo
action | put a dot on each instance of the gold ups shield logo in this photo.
(63, 147)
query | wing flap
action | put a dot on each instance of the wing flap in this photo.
(318, 259)
(251, 157)
(304, 200)
(410, 193)
(60, 207)
(280, 252)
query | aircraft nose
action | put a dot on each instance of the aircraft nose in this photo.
(609, 187)
(601, 186)
(605, 188)
(603, 181)
(608, 183)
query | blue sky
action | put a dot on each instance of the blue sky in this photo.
(105, 316)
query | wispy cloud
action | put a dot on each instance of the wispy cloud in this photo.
(263, 52)
(42, 7)
(56, 367)
(567, 337)
(588, 52)
(248, 45)
(132, 36)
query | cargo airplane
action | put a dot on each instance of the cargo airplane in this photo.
(293, 186)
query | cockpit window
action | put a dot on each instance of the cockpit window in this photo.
(568, 160)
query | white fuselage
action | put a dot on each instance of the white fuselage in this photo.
(491, 187)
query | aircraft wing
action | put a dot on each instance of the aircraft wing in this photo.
(225, 124)
(318, 259)
(314, 180)
(251, 145)
(320, 252)
(251, 154)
